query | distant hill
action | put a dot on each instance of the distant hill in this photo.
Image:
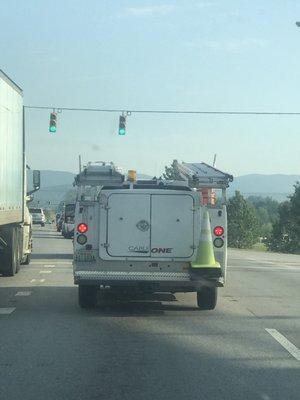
(278, 186)
(56, 184)
(54, 178)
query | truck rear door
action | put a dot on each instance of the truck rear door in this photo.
(156, 225)
(172, 226)
(128, 225)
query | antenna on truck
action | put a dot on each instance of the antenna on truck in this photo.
(215, 160)
(79, 161)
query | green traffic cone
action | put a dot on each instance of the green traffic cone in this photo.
(205, 255)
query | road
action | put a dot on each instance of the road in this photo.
(156, 348)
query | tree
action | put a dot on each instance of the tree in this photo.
(171, 173)
(267, 213)
(285, 236)
(243, 225)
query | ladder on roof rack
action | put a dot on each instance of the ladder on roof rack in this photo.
(201, 175)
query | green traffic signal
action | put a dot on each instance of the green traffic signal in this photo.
(122, 125)
(53, 122)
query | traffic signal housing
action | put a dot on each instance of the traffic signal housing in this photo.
(53, 122)
(122, 125)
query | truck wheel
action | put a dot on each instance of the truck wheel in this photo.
(42, 224)
(207, 298)
(10, 257)
(27, 259)
(87, 296)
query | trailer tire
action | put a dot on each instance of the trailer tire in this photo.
(10, 257)
(87, 296)
(207, 298)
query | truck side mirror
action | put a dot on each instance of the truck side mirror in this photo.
(36, 178)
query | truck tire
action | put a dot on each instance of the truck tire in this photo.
(27, 259)
(87, 296)
(10, 257)
(207, 298)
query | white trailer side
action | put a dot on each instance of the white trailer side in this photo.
(11, 152)
(15, 221)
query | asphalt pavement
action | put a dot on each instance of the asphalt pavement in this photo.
(158, 347)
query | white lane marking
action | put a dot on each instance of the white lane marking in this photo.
(290, 347)
(56, 262)
(49, 266)
(45, 272)
(32, 280)
(7, 310)
(27, 293)
(269, 269)
(42, 280)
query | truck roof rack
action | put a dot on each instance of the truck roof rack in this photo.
(99, 174)
(203, 175)
(194, 175)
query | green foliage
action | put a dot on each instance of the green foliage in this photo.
(243, 225)
(266, 212)
(285, 236)
(171, 173)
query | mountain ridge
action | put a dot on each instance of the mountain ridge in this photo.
(55, 185)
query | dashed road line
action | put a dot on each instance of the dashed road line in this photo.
(45, 272)
(37, 280)
(49, 266)
(289, 346)
(7, 310)
(26, 293)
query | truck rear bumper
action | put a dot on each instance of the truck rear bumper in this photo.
(158, 280)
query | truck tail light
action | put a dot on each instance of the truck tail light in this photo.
(82, 227)
(218, 242)
(81, 239)
(218, 230)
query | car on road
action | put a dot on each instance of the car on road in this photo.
(38, 216)
(68, 221)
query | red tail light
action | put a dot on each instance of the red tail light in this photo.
(82, 227)
(218, 230)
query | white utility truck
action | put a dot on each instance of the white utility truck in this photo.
(15, 219)
(150, 235)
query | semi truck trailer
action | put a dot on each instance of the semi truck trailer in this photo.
(15, 219)
(150, 235)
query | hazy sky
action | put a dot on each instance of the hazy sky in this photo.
(199, 55)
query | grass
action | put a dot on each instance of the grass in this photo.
(259, 247)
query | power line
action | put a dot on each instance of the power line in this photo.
(214, 112)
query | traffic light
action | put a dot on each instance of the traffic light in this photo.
(53, 122)
(122, 125)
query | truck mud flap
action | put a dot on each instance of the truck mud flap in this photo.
(206, 273)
